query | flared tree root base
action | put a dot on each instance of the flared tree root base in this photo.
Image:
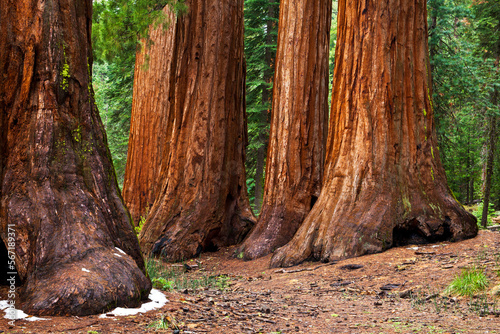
(342, 238)
(100, 280)
(274, 229)
(187, 238)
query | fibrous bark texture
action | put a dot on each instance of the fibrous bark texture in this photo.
(58, 188)
(203, 202)
(384, 182)
(299, 121)
(149, 121)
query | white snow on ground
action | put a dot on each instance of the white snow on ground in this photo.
(120, 251)
(86, 270)
(158, 300)
(17, 314)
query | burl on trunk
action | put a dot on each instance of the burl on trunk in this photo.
(384, 182)
(75, 250)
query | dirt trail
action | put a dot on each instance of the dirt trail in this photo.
(398, 291)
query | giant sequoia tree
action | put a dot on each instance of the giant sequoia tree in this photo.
(76, 252)
(149, 127)
(202, 203)
(384, 183)
(296, 150)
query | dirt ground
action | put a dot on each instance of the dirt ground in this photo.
(399, 291)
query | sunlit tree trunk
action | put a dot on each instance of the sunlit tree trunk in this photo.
(203, 202)
(58, 190)
(296, 150)
(384, 181)
(149, 124)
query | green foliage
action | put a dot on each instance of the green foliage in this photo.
(162, 283)
(138, 228)
(464, 76)
(478, 212)
(113, 84)
(468, 283)
(488, 27)
(120, 25)
(161, 323)
(333, 44)
(222, 282)
(261, 31)
(175, 278)
(65, 76)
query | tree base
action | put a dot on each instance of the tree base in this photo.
(274, 229)
(187, 237)
(372, 231)
(102, 280)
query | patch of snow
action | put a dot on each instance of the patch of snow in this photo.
(86, 270)
(121, 251)
(14, 314)
(414, 248)
(115, 254)
(158, 300)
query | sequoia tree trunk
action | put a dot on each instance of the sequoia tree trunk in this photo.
(384, 182)
(75, 250)
(295, 156)
(203, 203)
(149, 121)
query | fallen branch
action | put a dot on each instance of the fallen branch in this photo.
(284, 271)
(266, 320)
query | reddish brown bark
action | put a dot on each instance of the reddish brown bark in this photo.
(203, 202)
(384, 182)
(297, 138)
(58, 188)
(149, 121)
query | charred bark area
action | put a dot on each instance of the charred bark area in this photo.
(299, 119)
(384, 182)
(149, 121)
(58, 190)
(203, 202)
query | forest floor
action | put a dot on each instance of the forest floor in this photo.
(398, 291)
